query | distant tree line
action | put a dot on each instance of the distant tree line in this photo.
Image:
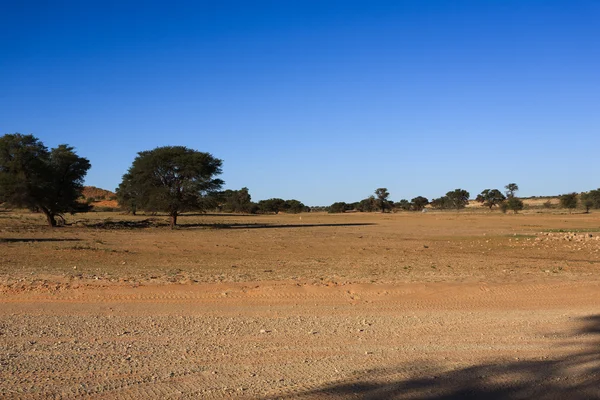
(240, 201)
(176, 179)
(587, 200)
(459, 198)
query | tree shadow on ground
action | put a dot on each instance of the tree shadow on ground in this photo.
(28, 240)
(575, 376)
(157, 222)
(217, 214)
(267, 226)
(110, 224)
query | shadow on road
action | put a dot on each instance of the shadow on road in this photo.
(575, 376)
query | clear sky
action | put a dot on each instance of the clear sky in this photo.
(321, 101)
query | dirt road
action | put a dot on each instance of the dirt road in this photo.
(283, 340)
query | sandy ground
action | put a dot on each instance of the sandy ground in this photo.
(436, 305)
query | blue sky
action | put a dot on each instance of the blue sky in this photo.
(321, 101)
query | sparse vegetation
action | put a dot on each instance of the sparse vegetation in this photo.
(591, 200)
(569, 200)
(514, 204)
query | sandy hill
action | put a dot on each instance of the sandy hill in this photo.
(101, 197)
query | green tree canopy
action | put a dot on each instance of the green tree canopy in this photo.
(172, 179)
(382, 199)
(34, 177)
(419, 203)
(237, 201)
(294, 206)
(511, 189)
(458, 198)
(441, 203)
(338, 207)
(403, 205)
(274, 205)
(367, 205)
(568, 200)
(490, 198)
(513, 204)
(591, 199)
(127, 194)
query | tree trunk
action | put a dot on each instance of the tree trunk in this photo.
(173, 219)
(49, 217)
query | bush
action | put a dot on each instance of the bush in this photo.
(338, 207)
(514, 204)
(569, 200)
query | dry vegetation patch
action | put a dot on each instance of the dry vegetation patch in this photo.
(314, 248)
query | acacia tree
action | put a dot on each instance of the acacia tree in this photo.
(591, 199)
(382, 198)
(513, 204)
(441, 203)
(587, 204)
(419, 203)
(459, 198)
(173, 179)
(490, 198)
(294, 206)
(128, 194)
(34, 177)
(568, 200)
(274, 205)
(238, 201)
(511, 189)
(338, 207)
(403, 205)
(367, 205)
